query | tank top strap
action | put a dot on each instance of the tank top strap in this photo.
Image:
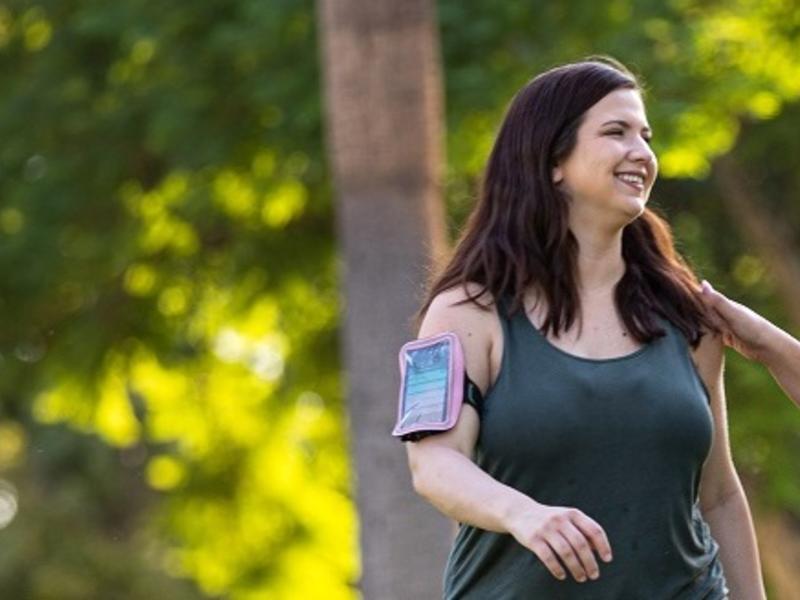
(503, 302)
(682, 352)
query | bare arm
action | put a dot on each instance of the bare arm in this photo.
(444, 474)
(722, 498)
(756, 338)
(461, 490)
(782, 358)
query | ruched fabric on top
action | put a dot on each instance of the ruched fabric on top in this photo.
(623, 440)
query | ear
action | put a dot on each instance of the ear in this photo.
(558, 175)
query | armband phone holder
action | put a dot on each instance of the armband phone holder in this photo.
(432, 378)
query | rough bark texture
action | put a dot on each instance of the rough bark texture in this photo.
(383, 94)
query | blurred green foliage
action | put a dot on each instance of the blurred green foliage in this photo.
(171, 404)
(169, 291)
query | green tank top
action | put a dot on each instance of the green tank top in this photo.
(622, 439)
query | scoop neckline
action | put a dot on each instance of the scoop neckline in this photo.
(586, 359)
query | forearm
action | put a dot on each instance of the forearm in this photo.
(732, 527)
(457, 487)
(782, 358)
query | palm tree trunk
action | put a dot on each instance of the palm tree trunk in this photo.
(383, 100)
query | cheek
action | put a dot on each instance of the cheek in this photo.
(592, 165)
(603, 156)
(597, 169)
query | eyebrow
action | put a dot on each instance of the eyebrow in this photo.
(625, 124)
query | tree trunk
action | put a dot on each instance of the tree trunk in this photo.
(779, 541)
(774, 243)
(383, 97)
(767, 234)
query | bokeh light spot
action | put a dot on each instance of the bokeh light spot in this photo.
(165, 472)
(8, 503)
(173, 301)
(11, 221)
(142, 51)
(38, 31)
(12, 444)
(140, 279)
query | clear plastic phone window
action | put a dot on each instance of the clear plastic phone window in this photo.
(426, 385)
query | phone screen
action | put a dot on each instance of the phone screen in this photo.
(426, 391)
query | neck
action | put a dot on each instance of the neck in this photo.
(600, 262)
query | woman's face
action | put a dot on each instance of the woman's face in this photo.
(610, 172)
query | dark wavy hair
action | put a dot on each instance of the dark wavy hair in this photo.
(518, 235)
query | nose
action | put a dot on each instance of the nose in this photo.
(641, 152)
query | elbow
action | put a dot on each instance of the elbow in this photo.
(418, 480)
(430, 464)
(430, 482)
(424, 475)
(418, 485)
(721, 499)
(426, 487)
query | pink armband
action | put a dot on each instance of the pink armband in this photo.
(432, 382)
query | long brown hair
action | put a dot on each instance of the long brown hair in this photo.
(518, 234)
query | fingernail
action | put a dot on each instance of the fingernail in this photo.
(594, 574)
(607, 557)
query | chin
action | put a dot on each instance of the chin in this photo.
(634, 209)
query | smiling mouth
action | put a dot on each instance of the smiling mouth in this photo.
(632, 181)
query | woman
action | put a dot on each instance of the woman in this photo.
(601, 463)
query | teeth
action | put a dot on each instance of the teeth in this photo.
(638, 179)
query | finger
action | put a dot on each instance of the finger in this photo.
(549, 560)
(564, 551)
(717, 319)
(594, 533)
(728, 339)
(710, 292)
(713, 303)
(583, 549)
(718, 311)
(717, 300)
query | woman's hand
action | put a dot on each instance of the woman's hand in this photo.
(556, 530)
(743, 330)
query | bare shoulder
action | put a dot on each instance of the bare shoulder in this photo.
(454, 307)
(452, 310)
(709, 356)
(472, 326)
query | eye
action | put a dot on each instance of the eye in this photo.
(648, 140)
